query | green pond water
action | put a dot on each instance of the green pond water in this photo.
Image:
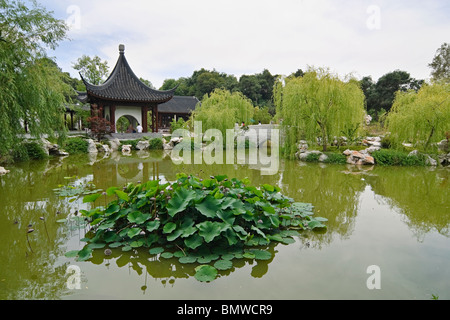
(395, 218)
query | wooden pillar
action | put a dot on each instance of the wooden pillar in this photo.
(144, 118)
(71, 119)
(112, 116)
(154, 124)
(156, 119)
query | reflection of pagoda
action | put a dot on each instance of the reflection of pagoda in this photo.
(124, 94)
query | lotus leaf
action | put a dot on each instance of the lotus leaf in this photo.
(205, 273)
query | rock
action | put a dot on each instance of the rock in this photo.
(143, 145)
(302, 155)
(92, 147)
(3, 171)
(413, 153)
(407, 145)
(444, 159)
(52, 148)
(372, 149)
(103, 148)
(126, 148)
(430, 161)
(302, 146)
(443, 145)
(359, 158)
(176, 140)
(372, 141)
(323, 157)
(368, 160)
(347, 152)
(357, 154)
(115, 144)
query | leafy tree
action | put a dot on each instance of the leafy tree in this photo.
(262, 114)
(380, 95)
(258, 88)
(222, 110)
(32, 91)
(298, 73)
(421, 117)
(147, 83)
(183, 88)
(317, 105)
(441, 64)
(203, 82)
(249, 85)
(94, 70)
(100, 127)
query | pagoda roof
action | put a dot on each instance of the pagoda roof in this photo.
(123, 85)
(179, 105)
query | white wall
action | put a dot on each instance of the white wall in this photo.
(135, 112)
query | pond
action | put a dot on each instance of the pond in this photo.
(394, 218)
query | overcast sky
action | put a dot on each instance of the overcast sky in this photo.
(173, 38)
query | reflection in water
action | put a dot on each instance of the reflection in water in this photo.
(26, 195)
(421, 194)
(169, 270)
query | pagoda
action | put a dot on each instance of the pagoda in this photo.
(123, 94)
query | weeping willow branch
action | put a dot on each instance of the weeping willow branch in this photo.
(317, 105)
(420, 118)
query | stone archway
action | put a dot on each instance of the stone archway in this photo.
(123, 123)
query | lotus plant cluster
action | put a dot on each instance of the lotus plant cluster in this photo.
(196, 220)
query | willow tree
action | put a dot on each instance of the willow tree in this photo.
(317, 107)
(222, 110)
(420, 118)
(32, 91)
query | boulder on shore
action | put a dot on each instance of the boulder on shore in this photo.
(52, 148)
(143, 145)
(358, 158)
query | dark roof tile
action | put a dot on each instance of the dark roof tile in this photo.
(123, 85)
(179, 104)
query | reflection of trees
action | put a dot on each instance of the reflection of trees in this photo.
(334, 194)
(26, 195)
(422, 194)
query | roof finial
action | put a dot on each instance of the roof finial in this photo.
(121, 48)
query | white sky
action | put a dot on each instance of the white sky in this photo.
(173, 38)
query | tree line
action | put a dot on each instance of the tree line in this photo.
(34, 91)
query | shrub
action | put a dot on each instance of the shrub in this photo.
(335, 158)
(19, 153)
(28, 151)
(156, 144)
(312, 157)
(133, 143)
(397, 158)
(35, 151)
(178, 124)
(76, 146)
(386, 142)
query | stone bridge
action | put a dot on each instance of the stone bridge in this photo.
(261, 134)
